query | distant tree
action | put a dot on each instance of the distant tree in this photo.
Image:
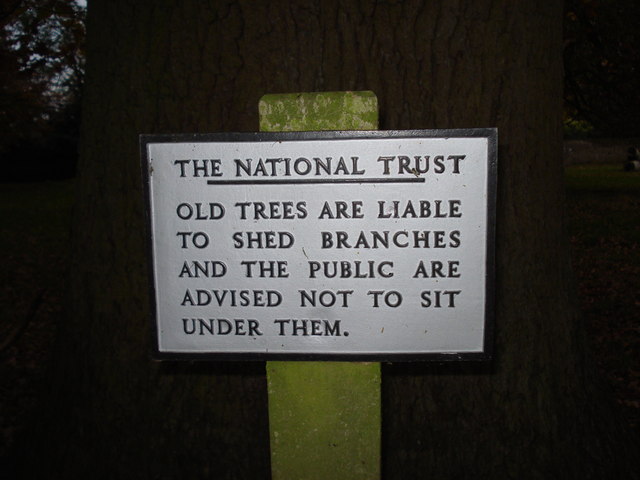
(41, 76)
(601, 63)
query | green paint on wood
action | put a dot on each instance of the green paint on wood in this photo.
(324, 417)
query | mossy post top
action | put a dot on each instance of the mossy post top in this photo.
(318, 111)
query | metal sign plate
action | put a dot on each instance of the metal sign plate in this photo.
(372, 245)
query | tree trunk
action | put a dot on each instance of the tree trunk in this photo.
(195, 66)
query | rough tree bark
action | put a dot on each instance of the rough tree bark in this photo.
(198, 66)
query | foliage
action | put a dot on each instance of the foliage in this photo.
(601, 58)
(41, 75)
(577, 128)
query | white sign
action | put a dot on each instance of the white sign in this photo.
(354, 245)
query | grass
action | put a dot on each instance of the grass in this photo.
(34, 237)
(603, 205)
(601, 179)
(34, 240)
(42, 209)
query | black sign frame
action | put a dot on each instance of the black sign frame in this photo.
(490, 283)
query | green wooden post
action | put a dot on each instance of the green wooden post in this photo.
(324, 417)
